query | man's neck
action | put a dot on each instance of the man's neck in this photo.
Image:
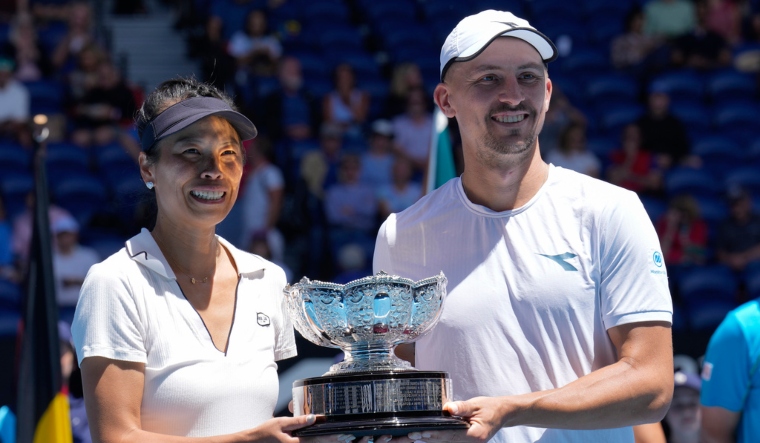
(504, 188)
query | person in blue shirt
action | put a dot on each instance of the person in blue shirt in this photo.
(730, 394)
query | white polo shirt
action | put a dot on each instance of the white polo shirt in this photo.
(131, 308)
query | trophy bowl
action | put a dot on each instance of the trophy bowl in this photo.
(372, 391)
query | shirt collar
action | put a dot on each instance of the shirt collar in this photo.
(143, 249)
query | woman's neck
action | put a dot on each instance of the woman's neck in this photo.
(188, 251)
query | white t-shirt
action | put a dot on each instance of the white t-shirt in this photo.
(73, 266)
(14, 102)
(584, 162)
(131, 308)
(256, 197)
(413, 138)
(532, 291)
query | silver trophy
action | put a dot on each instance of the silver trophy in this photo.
(371, 392)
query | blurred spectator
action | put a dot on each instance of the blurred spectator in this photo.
(561, 113)
(71, 261)
(262, 195)
(352, 264)
(346, 105)
(7, 263)
(79, 35)
(14, 104)
(633, 167)
(84, 76)
(406, 77)
(683, 233)
(701, 48)
(290, 112)
(254, 48)
(669, 18)
(662, 132)
(412, 129)
(572, 152)
(319, 168)
(738, 240)
(98, 114)
(71, 384)
(683, 417)
(350, 204)
(723, 17)
(217, 65)
(377, 162)
(402, 193)
(263, 245)
(630, 50)
(24, 47)
(730, 378)
(22, 228)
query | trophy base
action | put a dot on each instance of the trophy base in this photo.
(394, 426)
(375, 403)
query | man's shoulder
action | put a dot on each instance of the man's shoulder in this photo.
(575, 183)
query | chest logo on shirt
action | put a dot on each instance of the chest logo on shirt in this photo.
(560, 260)
(657, 259)
(262, 319)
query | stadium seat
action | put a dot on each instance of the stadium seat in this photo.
(714, 282)
(679, 85)
(602, 146)
(339, 39)
(10, 295)
(14, 188)
(692, 113)
(736, 116)
(326, 13)
(655, 207)
(719, 154)
(581, 62)
(691, 181)
(14, 157)
(747, 177)
(731, 85)
(82, 195)
(713, 210)
(614, 118)
(389, 10)
(706, 315)
(46, 97)
(611, 87)
(513, 6)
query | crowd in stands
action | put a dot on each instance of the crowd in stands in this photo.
(659, 96)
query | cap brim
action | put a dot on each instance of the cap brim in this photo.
(541, 43)
(244, 127)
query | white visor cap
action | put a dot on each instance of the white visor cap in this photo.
(474, 33)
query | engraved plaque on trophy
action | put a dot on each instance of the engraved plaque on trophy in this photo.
(371, 392)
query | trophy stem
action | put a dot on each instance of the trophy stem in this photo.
(370, 357)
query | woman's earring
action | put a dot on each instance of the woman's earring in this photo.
(149, 185)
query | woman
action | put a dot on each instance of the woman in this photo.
(346, 105)
(177, 333)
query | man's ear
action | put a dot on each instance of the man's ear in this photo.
(549, 89)
(442, 96)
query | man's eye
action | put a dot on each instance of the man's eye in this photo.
(191, 151)
(488, 78)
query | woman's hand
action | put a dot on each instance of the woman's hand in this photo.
(278, 430)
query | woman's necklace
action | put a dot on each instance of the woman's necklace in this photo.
(194, 280)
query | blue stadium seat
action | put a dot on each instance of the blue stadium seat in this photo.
(14, 157)
(340, 38)
(714, 282)
(15, 187)
(679, 85)
(601, 146)
(706, 315)
(82, 195)
(513, 6)
(690, 181)
(712, 209)
(549, 8)
(612, 119)
(612, 87)
(326, 14)
(63, 160)
(655, 207)
(747, 177)
(752, 281)
(46, 97)
(581, 62)
(692, 113)
(10, 295)
(9, 324)
(731, 85)
(719, 154)
(390, 10)
(736, 116)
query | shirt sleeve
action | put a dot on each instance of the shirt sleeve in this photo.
(633, 281)
(107, 322)
(725, 373)
(381, 260)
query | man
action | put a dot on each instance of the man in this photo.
(730, 378)
(558, 307)
(14, 104)
(738, 241)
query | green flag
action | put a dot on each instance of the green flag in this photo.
(441, 159)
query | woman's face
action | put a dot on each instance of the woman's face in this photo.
(684, 415)
(197, 175)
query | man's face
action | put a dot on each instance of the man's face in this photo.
(500, 99)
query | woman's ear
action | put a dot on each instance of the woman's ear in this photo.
(146, 168)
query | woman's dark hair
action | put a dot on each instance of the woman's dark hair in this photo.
(169, 93)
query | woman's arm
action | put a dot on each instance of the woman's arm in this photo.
(113, 396)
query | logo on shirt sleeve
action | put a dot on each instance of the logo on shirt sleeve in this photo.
(262, 319)
(707, 371)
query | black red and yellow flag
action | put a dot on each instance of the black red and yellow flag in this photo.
(42, 411)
